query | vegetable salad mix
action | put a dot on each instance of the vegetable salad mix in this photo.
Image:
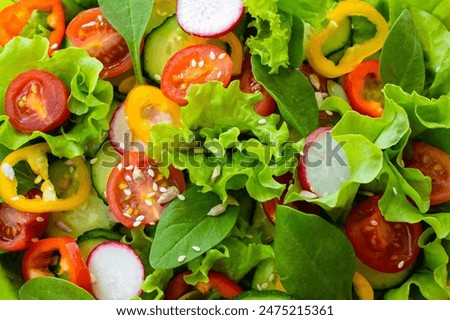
(279, 149)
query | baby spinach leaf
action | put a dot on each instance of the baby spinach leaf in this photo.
(129, 18)
(185, 230)
(52, 288)
(293, 93)
(402, 60)
(310, 268)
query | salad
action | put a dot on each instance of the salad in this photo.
(233, 149)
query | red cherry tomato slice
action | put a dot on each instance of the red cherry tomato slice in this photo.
(363, 88)
(195, 64)
(267, 105)
(37, 101)
(134, 187)
(90, 30)
(434, 163)
(59, 256)
(384, 246)
(18, 229)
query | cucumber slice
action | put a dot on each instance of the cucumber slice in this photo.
(338, 38)
(382, 280)
(162, 9)
(106, 158)
(164, 41)
(263, 295)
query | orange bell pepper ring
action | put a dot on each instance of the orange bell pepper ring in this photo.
(36, 157)
(14, 18)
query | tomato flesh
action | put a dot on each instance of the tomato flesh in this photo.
(195, 64)
(37, 101)
(18, 229)
(434, 163)
(382, 245)
(267, 105)
(90, 30)
(134, 187)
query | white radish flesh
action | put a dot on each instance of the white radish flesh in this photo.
(209, 18)
(323, 165)
(117, 271)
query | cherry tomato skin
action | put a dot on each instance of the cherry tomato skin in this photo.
(177, 287)
(19, 229)
(224, 285)
(363, 88)
(195, 64)
(90, 30)
(39, 259)
(267, 105)
(434, 163)
(37, 101)
(384, 246)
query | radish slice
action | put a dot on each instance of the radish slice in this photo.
(117, 271)
(323, 165)
(209, 18)
(119, 130)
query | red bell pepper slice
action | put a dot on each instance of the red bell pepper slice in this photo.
(363, 88)
(56, 256)
(15, 17)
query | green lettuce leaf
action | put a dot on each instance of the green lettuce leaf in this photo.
(89, 102)
(224, 137)
(156, 282)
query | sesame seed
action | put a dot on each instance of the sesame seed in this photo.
(181, 197)
(15, 198)
(128, 178)
(216, 210)
(302, 153)
(157, 77)
(54, 46)
(120, 167)
(140, 218)
(222, 56)
(196, 248)
(328, 112)
(162, 189)
(373, 223)
(219, 74)
(333, 24)
(148, 202)
(308, 195)
(258, 286)
(127, 192)
(126, 214)
(8, 171)
(272, 277)
(129, 168)
(315, 81)
(34, 240)
(151, 194)
(193, 63)
(262, 121)
(232, 201)
(265, 285)
(69, 162)
(212, 55)
(137, 223)
(249, 236)
(151, 173)
(201, 63)
(401, 264)
(181, 258)
(62, 226)
(40, 219)
(394, 190)
(216, 173)
(152, 223)
(155, 186)
(38, 179)
(93, 160)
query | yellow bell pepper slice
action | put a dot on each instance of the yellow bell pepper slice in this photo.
(355, 54)
(362, 287)
(237, 51)
(36, 157)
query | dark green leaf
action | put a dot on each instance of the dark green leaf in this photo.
(294, 94)
(186, 225)
(314, 258)
(129, 18)
(52, 288)
(402, 60)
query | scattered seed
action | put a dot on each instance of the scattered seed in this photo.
(69, 162)
(128, 178)
(315, 81)
(151, 173)
(38, 179)
(394, 189)
(137, 223)
(148, 202)
(62, 226)
(93, 160)
(181, 197)
(258, 286)
(196, 248)
(308, 195)
(8, 171)
(181, 258)
(40, 219)
(401, 264)
(212, 55)
(222, 56)
(216, 210)
(262, 121)
(54, 46)
(127, 192)
(373, 223)
(151, 194)
(232, 201)
(219, 74)
(302, 153)
(162, 190)
(120, 167)
(272, 277)
(319, 98)
(34, 240)
(169, 195)
(249, 236)
(334, 24)
(15, 198)
(138, 175)
(216, 173)
(155, 186)
(201, 63)
(193, 63)
(330, 113)
(157, 77)
(265, 285)
(140, 218)
(129, 168)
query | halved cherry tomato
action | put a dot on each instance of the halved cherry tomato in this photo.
(59, 256)
(267, 105)
(218, 281)
(434, 163)
(145, 106)
(90, 30)
(14, 18)
(196, 64)
(270, 206)
(382, 245)
(36, 100)
(363, 88)
(18, 229)
(135, 188)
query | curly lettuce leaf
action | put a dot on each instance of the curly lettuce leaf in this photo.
(224, 137)
(89, 102)
(155, 283)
